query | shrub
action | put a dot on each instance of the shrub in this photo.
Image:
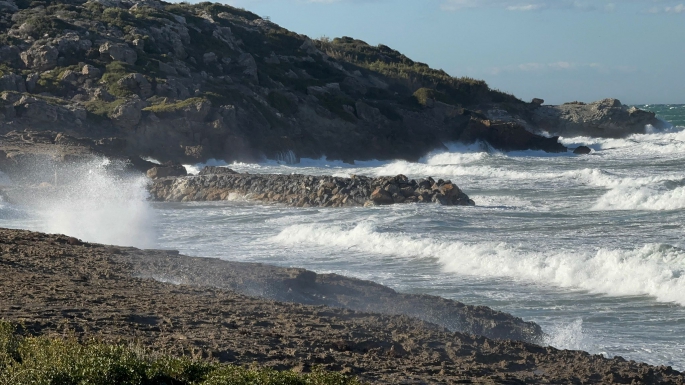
(113, 73)
(42, 360)
(172, 107)
(423, 94)
(99, 110)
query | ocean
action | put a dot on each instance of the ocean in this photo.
(590, 247)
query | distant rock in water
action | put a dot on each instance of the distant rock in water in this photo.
(308, 191)
(582, 150)
(606, 118)
(213, 170)
(166, 170)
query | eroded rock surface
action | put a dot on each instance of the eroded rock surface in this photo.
(607, 118)
(55, 284)
(308, 191)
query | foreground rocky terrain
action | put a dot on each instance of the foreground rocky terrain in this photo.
(56, 285)
(185, 83)
(219, 183)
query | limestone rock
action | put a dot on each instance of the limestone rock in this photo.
(119, 52)
(606, 118)
(40, 57)
(90, 71)
(128, 114)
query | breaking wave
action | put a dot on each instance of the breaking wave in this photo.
(96, 200)
(653, 270)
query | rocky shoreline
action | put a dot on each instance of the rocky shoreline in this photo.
(57, 285)
(218, 183)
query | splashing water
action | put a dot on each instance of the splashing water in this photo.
(95, 200)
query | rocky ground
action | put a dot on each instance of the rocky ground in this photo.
(58, 285)
(216, 183)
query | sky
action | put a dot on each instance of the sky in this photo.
(557, 50)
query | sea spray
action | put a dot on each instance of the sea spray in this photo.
(96, 200)
(653, 270)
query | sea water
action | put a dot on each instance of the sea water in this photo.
(590, 247)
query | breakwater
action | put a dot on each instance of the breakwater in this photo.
(214, 184)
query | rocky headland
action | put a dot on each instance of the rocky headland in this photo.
(186, 83)
(281, 318)
(219, 183)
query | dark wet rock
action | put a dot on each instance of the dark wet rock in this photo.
(582, 150)
(167, 170)
(509, 136)
(214, 170)
(307, 191)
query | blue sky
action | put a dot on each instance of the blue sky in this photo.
(558, 50)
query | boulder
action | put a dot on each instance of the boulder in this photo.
(509, 136)
(606, 118)
(119, 52)
(90, 71)
(582, 150)
(381, 197)
(40, 57)
(128, 114)
(213, 170)
(166, 170)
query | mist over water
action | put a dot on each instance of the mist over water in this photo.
(590, 247)
(95, 200)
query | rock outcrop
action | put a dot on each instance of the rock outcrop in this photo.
(308, 191)
(33, 157)
(606, 118)
(187, 83)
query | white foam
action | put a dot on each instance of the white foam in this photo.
(641, 198)
(194, 169)
(654, 270)
(94, 202)
(569, 336)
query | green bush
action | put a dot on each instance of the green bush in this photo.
(42, 360)
(422, 96)
(113, 73)
(172, 107)
(99, 110)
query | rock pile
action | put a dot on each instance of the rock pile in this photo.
(308, 191)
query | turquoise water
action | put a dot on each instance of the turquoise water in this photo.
(591, 247)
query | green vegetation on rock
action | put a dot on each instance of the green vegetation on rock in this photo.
(164, 106)
(44, 361)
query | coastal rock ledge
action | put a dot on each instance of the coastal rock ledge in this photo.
(214, 184)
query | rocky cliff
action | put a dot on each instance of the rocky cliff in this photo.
(606, 118)
(189, 82)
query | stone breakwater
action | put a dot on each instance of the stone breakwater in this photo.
(308, 191)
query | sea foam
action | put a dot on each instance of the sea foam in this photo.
(652, 270)
(95, 200)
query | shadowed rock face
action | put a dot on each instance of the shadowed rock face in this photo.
(606, 118)
(308, 191)
(54, 284)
